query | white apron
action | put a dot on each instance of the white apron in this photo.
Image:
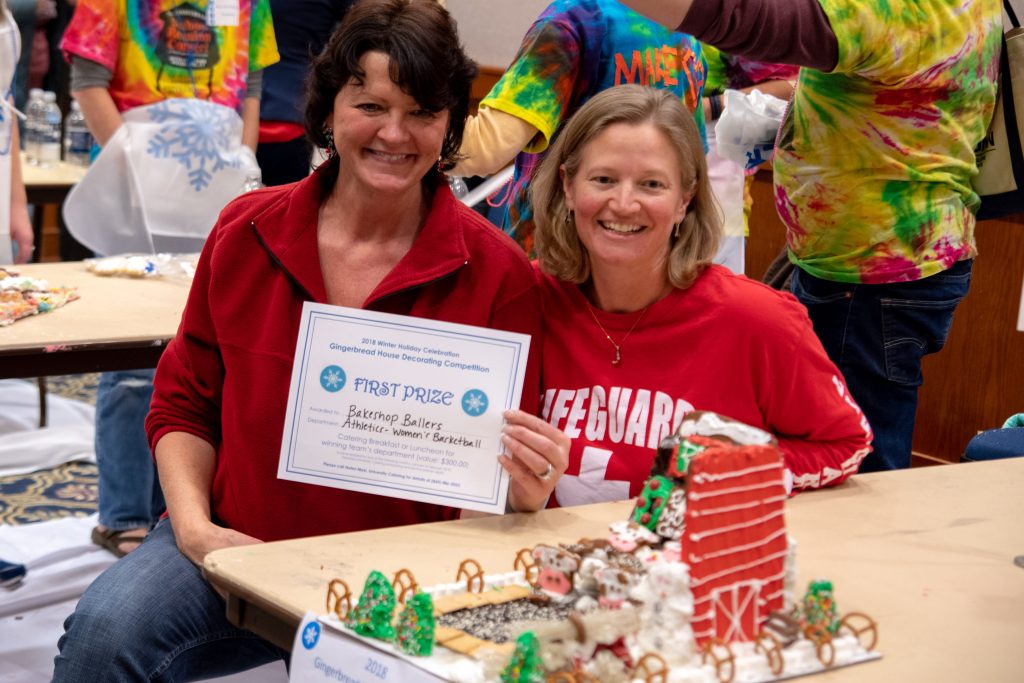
(161, 180)
(10, 48)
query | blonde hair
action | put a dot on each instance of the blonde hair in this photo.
(558, 246)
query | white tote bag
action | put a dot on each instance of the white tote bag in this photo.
(1000, 155)
(161, 180)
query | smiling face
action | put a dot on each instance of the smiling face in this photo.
(626, 196)
(386, 141)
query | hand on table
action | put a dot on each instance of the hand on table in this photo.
(538, 455)
(21, 233)
(195, 541)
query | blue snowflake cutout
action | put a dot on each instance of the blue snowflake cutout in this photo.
(195, 134)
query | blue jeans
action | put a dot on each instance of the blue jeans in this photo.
(129, 491)
(877, 335)
(152, 616)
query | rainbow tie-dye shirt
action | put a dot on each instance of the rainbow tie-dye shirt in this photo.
(159, 49)
(874, 160)
(574, 50)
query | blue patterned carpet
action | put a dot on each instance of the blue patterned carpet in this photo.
(68, 490)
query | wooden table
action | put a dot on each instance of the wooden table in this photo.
(116, 324)
(929, 553)
(50, 185)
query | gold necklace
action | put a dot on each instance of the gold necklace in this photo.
(617, 347)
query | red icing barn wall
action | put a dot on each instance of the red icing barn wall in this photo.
(735, 541)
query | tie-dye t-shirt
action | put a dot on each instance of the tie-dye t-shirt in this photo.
(159, 49)
(874, 160)
(736, 72)
(574, 50)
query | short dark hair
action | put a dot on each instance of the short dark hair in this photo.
(427, 61)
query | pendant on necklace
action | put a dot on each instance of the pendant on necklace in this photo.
(618, 357)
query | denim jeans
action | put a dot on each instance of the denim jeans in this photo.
(877, 335)
(129, 491)
(152, 616)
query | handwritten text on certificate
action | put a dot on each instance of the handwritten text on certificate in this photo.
(402, 407)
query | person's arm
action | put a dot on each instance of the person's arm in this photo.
(669, 13)
(101, 115)
(251, 122)
(21, 226)
(185, 464)
(532, 97)
(183, 424)
(251, 109)
(90, 82)
(491, 141)
(821, 430)
(778, 31)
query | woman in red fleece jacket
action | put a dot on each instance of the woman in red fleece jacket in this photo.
(375, 227)
(641, 329)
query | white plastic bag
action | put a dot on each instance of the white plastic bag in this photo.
(160, 181)
(748, 125)
(727, 182)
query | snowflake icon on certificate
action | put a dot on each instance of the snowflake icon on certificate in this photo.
(332, 378)
(474, 402)
(310, 635)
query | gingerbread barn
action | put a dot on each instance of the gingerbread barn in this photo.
(734, 540)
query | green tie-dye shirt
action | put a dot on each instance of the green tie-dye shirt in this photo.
(874, 160)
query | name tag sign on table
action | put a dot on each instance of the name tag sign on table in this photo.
(402, 407)
(321, 653)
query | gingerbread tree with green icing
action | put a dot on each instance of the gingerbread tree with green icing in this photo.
(820, 606)
(525, 666)
(415, 629)
(371, 617)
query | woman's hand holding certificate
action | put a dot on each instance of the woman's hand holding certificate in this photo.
(537, 456)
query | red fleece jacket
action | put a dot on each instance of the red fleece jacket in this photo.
(225, 376)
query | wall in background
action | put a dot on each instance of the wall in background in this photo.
(493, 29)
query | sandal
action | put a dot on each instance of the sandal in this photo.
(11, 573)
(113, 539)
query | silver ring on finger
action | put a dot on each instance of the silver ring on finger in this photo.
(546, 474)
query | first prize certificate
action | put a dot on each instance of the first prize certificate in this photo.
(402, 407)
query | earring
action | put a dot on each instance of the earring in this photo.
(675, 230)
(570, 218)
(328, 133)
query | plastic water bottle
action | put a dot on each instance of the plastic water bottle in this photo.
(49, 131)
(33, 117)
(77, 139)
(253, 181)
(458, 186)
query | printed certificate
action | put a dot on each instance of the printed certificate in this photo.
(402, 407)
